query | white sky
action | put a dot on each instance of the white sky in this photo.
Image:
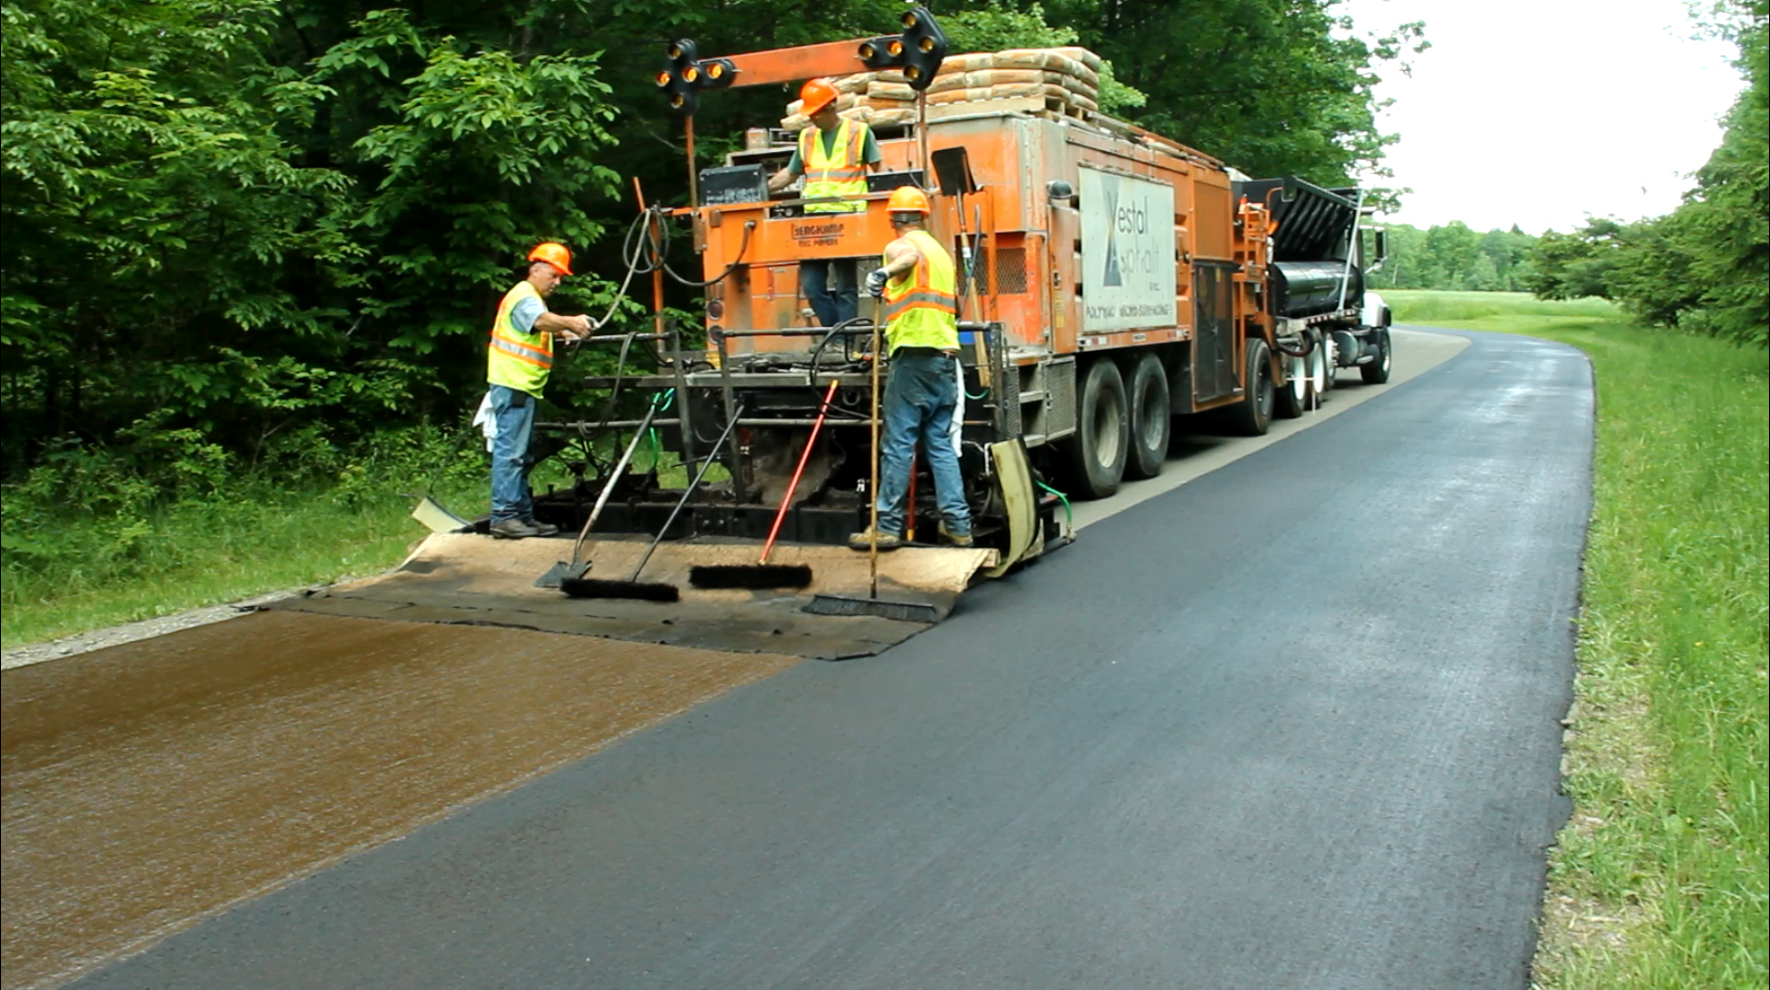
(1538, 112)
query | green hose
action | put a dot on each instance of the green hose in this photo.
(665, 397)
(1068, 516)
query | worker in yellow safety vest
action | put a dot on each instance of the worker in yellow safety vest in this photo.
(920, 293)
(834, 155)
(518, 359)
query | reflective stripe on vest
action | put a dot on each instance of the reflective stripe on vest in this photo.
(835, 175)
(922, 306)
(515, 359)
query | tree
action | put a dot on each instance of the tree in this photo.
(1706, 266)
(1580, 264)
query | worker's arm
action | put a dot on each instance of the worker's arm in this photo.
(563, 327)
(900, 257)
(784, 178)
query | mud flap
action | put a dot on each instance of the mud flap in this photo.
(1020, 501)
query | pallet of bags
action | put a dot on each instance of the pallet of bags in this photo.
(1062, 80)
(1059, 80)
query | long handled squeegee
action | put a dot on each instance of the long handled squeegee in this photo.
(873, 605)
(586, 587)
(561, 570)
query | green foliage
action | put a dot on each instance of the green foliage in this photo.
(209, 223)
(1272, 86)
(1453, 257)
(1580, 264)
(1705, 267)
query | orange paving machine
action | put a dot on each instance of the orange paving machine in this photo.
(1110, 279)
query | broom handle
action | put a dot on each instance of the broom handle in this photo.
(696, 483)
(873, 491)
(614, 476)
(793, 486)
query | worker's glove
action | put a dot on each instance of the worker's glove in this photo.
(876, 282)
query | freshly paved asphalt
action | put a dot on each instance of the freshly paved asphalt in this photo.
(1294, 724)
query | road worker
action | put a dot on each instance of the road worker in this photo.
(518, 359)
(919, 288)
(834, 155)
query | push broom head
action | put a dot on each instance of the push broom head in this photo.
(584, 587)
(750, 576)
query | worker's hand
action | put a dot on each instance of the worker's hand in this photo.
(876, 282)
(581, 325)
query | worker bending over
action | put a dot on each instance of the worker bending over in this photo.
(834, 155)
(518, 358)
(922, 332)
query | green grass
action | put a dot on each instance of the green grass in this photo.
(193, 555)
(1660, 877)
(89, 572)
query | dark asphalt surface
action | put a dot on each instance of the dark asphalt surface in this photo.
(1292, 725)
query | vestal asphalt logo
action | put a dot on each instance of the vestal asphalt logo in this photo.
(1109, 185)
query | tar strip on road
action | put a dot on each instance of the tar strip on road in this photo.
(148, 785)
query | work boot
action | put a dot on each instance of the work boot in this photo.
(542, 528)
(957, 541)
(513, 529)
(887, 541)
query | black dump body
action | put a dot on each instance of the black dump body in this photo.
(1309, 249)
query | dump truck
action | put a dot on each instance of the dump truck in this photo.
(1112, 282)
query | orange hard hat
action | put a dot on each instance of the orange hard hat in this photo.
(908, 199)
(553, 254)
(815, 95)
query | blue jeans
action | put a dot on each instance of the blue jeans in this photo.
(918, 406)
(515, 412)
(831, 304)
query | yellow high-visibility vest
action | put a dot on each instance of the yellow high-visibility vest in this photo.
(840, 173)
(922, 305)
(515, 359)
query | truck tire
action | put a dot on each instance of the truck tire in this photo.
(1152, 419)
(1252, 416)
(1093, 459)
(1290, 399)
(1320, 372)
(1377, 372)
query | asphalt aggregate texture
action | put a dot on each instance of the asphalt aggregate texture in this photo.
(1292, 725)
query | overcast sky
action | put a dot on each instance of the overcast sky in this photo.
(1538, 112)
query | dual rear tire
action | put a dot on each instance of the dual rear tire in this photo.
(1122, 429)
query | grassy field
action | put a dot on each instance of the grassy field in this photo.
(191, 555)
(1660, 877)
(89, 572)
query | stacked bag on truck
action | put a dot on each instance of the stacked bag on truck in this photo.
(1062, 79)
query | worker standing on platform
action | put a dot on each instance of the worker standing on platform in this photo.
(518, 359)
(834, 155)
(919, 289)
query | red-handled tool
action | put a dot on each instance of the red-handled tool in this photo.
(762, 574)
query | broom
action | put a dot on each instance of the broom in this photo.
(762, 574)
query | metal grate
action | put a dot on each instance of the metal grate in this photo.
(1011, 271)
(1060, 397)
